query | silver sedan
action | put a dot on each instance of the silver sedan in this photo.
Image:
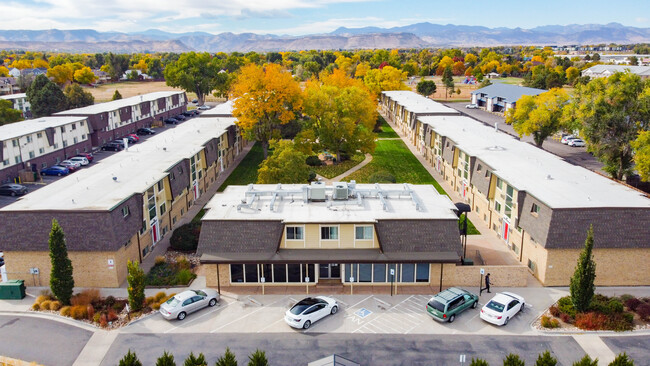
(188, 302)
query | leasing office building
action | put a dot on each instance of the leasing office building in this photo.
(540, 205)
(119, 208)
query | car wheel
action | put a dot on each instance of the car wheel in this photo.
(42, 174)
(523, 306)
(181, 315)
(212, 302)
(505, 322)
(306, 325)
(13, 194)
(475, 304)
(334, 310)
(452, 318)
(58, 174)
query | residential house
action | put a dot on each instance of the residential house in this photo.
(499, 97)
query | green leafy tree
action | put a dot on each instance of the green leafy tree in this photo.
(223, 82)
(641, 154)
(513, 360)
(634, 61)
(284, 165)
(478, 362)
(117, 95)
(586, 361)
(136, 281)
(258, 358)
(61, 280)
(228, 359)
(622, 360)
(611, 112)
(540, 115)
(167, 359)
(426, 87)
(130, 359)
(545, 359)
(77, 96)
(582, 282)
(116, 65)
(192, 360)
(193, 72)
(155, 68)
(45, 97)
(448, 80)
(8, 114)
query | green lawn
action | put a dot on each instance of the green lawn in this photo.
(246, 172)
(394, 157)
(387, 131)
(508, 80)
(331, 171)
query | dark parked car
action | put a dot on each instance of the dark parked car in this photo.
(188, 114)
(113, 146)
(55, 170)
(171, 121)
(145, 131)
(180, 117)
(88, 156)
(195, 101)
(13, 190)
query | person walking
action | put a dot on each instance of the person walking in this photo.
(487, 282)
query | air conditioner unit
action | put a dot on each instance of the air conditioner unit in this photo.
(317, 191)
(340, 191)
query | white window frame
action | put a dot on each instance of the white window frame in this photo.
(372, 233)
(337, 240)
(286, 234)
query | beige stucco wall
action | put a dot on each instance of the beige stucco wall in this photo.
(312, 238)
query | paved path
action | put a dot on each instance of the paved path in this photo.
(339, 177)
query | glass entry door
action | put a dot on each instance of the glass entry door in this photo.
(329, 271)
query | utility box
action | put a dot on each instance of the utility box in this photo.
(12, 290)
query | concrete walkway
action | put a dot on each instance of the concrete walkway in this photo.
(339, 177)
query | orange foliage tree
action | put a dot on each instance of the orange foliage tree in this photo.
(265, 98)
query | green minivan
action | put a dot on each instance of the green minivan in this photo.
(451, 302)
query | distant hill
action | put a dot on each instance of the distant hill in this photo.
(410, 36)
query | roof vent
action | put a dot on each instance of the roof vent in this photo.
(115, 179)
(496, 148)
(548, 177)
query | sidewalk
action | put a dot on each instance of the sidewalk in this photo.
(339, 177)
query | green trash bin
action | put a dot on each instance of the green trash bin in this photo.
(12, 290)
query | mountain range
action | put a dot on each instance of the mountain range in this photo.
(411, 36)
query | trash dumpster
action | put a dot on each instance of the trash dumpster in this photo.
(12, 290)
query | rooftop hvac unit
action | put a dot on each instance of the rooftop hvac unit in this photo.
(340, 191)
(317, 191)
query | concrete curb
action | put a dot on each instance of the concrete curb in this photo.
(55, 317)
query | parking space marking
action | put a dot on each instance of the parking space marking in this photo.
(247, 315)
(270, 325)
(361, 301)
(197, 318)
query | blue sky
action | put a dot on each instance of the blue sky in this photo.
(297, 17)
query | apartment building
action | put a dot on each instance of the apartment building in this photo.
(539, 205)
(20, 103)
(119, 208)
(32, 145)
(500, 97)
(115, 119)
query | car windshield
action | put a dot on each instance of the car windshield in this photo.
(172, 302)
(200, 293)
(437, 305)
(303, 305)
(495, 306)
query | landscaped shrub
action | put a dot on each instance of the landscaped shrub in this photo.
(160, 260)
(586, 361)
(591, 321)
(55, 305)
(633, 303)
(566, 318)
(192, 360)
(554, 310)
(42, 298)
(545, 359)
(566, 306)
(103, 322)
(313, 161)
(65, 311)
(97, 317)
(614, 306)
(513, 360)
(548, 322)
(626, 297)
(79, 312)
(643, 311)
(130, 359)
(91, 311)
(36, 306)
(622, 360)
(620, 322)
(167, 359)
(85, 297)
(111, 316)
(160, 296)
(478, 362)
(382, 177)
(45, 305)
(109, 301)
(184, 276)
(186, 237)
(183, 263)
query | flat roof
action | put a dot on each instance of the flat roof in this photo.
(136, 170)
(221, 110)
(509, 92)
(120, 103)
(639, 70)
(547, 177)
(30, 126)
(293, 209)
(417, 103)
(13, 96)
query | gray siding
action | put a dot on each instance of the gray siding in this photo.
(536, 226)
(448, 151)
(181, 177)
(478, 178)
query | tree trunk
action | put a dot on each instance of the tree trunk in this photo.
(265, 148)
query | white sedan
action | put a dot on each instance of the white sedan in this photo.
(577, 143)
(79, 159)
(187, 302)
(70, 163)
(471, 106)
(502, 308)
(310, 310)
(566, 138)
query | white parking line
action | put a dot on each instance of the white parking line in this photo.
(361, 301)
(197, 318)
(245, 316)
(270, 325)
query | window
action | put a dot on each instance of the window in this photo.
(62, 129)
(82, 123)
(56, 146)
(422, 272)
(295, 233)
(174, 220)
(41, 150)
(499, 182)
(5, 162)
(14, 143)
(163, 208)
(363, 233)
(365, 272)
(293, 272)
(378, 273)
(144, 227)
(479, 167)
(125, 211)
(236, 273)
(509, 194)
(29, 139)
(39, 135)
(532, 265)
(408, 272)
(497, 206)
(279, 273)
(65, 143)
(535, 209)
(18, 159)
(75, 140)
(31, 155)
(161, 185)
(74, 126)
(329, 233)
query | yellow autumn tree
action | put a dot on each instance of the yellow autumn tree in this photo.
(265, 98)
(141, 65)
(40, 63)
(4, 71)
(61, 74)
(540, 115)
(362, 70)
(21, 64)
(84, 76)
(388, 78)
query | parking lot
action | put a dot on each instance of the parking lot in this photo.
(364, 314)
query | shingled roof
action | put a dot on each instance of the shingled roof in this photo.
(233, 236)
(412, 236)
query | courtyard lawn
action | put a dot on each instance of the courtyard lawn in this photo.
(331, 171)
(508, 80)
(387, 131)
(394, 157)
(246, 172)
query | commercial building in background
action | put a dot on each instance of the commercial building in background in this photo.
(334, 235)
(20, 103)
(539, 205)
(500, 97)
(115, 119)
(119, 208)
